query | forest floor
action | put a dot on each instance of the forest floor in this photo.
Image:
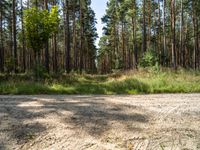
(140, 122)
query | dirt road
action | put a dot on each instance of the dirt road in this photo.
(142, 122)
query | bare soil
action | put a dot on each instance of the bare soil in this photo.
(142, 122)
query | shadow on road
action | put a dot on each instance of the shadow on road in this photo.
(92, 114)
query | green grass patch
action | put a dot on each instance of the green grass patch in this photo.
(140, 82)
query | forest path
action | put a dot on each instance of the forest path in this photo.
(138, 122)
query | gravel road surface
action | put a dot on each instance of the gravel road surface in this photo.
(61, 122)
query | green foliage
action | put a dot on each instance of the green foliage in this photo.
(141, 82)
(150, 59)
(103, 45)
(9, 64)
(39, 25)
(40, 71)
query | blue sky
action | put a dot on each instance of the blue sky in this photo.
(99, 6)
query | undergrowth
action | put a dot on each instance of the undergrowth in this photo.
(143, 81)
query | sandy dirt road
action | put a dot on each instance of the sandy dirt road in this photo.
(142, 122)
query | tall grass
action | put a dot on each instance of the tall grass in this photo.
(132, 82)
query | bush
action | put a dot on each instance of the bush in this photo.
(40, 72)
(150, 59)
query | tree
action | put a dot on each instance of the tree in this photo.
(67, 38)
(181, 34)
(23, 36)
(131, 27)
(164, 33)
(40, 25)
(1, 38)
(75, 63)
(173, 33)
(54, 54)
(14, 36)
(46, 44)
(81, 6)
(144, 28)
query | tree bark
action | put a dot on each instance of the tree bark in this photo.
(81, 35)
(1, 39)
(164, 33)
(144, 28)
(181, 35)
(74, 36)
(159, 33)
(23, 38)
(46, 44)
(149, 23)
(67, 39)
(173, 34)
(15, 65)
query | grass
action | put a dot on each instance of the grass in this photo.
(132, 82)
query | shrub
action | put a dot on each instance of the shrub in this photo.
(150, 59)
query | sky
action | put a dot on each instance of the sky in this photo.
(99, 7)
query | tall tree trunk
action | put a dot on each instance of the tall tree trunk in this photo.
(81, 35)
(164, 34)
(133, 19)
(135, 45)
(159, 33)
(23, 38)
(123, 47)
(133, 36)
(74, 36)
(185, 58)
(1, 39)
(181, 35)
(197, 36)
(67, 39)
(144, 41)
(14, 37)
(54, 42)
(115, 46)
(10, 69)
(173, 33)
(154, 29)
(149, 23)
(194, 34)
(46, 44)
(55, 59)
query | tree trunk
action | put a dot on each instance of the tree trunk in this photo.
(181, 35)
(159, 32)
(149, 23)
(14, 37)
(55, 59)
(173, 34)
(74, 36)
(46, 44)
(81, 35)
(1, 40)
(197, 36)
(144, 28)
(23, 38)
(123, 48)
(133, 36)
(164, 34)
(67, 39)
